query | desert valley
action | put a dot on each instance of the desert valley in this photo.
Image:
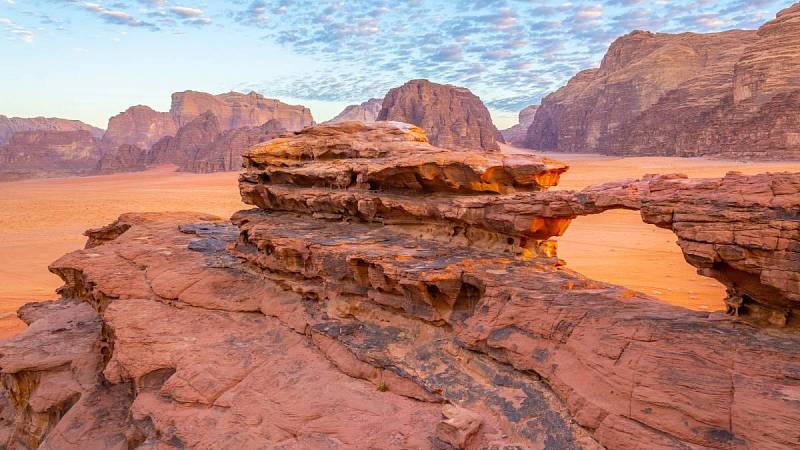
(620, 269)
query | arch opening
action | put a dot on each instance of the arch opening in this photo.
(617, 247)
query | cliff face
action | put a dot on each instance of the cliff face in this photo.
(54, 153)
(190, 138)
(732, 94)
(11, 125)
(236, 110)
(140, 126)
(518, 134)
(452, 116)
(225, 152)
(638, 71)
(387, 293)
(365, 112)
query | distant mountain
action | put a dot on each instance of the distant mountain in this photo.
(733, 94)
(365, 112)
(453, 117)
(518, 134)
(11, 125)
(142, 126)
(39, 153)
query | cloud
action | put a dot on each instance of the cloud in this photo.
(16, 32)
(116, 17)
(186, 12)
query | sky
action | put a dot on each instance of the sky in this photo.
(89, 60)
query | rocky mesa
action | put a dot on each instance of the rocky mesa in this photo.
(731, 94)
(11, 125)
(388, 293)
(453, 117)
(517, 135)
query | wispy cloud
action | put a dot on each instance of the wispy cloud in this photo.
(16, 32)
(115, 16)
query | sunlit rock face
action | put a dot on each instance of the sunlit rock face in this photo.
(236, 110)
(140, 126)
(388, 293)
(731, 94)
(452, 116)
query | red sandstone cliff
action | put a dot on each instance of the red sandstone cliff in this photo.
(140, 126)
(452, 116)
(733, 94)
(236, 110)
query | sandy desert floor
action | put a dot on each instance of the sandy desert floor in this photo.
(41, 220)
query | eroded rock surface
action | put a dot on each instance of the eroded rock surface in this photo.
(453, 117)
(406, 308)
(732, 94)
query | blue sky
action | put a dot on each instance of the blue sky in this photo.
(89, 60)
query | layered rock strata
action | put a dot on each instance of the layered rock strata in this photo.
(452, 116)
(237, 110)
(732, 94)
(366, 315)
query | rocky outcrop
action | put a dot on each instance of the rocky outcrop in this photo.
(386, 293)
(125, 158)
(225, 152)
(453, 117)
(366, 112)
(11, 125)
(518, 134)
(49, 153)
(188, 140)
(236, 110)
(140, 126)
(731, 94)
(201, 133)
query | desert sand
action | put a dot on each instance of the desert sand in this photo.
(44, 219)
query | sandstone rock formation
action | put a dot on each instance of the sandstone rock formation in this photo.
(236, 110)
(732, 94)
(188, 136)
(11, 125)
(453, 117)
(349, 310)
(124, 158)
(49, 153)
(225, 152)
(140, 126)
(518, 134)
(199, 133)
(365, 112)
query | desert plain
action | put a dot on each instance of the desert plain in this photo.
(42, 219)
